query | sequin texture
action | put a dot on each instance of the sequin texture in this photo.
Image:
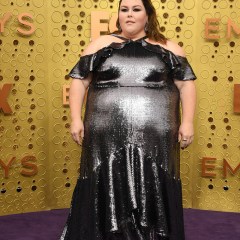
(129, 186)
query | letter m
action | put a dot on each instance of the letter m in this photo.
(226, 167)
(232, 26)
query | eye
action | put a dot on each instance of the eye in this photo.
(124, 10)
(136, 9)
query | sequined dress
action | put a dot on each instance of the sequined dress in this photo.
(129, 186)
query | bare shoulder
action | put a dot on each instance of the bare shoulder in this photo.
(170, 46)
(98, 43)
(175, 48)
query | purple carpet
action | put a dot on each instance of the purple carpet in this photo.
(48, 225)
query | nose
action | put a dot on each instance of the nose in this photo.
(129, 13)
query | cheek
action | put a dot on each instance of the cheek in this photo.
(121, 17)
(142, 17)
(145, 18)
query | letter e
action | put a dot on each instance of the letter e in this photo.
(209, 28)
(206, 167)
(66, 95)
(99, 23)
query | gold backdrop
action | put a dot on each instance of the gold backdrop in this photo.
(40, 162)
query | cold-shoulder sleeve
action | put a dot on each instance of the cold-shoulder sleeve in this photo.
(83, 67)
(88, 63)
(179, 66)
(181, 69)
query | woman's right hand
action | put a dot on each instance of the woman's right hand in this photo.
(77, 131)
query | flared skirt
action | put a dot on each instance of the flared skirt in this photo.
(129, 186)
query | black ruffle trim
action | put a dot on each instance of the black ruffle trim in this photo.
(179, 66)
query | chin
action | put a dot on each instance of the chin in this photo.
(131, 31)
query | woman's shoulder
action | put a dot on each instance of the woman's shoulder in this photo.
(175, 48)
(170, 46)
(99, 43)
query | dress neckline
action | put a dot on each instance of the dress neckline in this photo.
(128, 39)
(152, 47)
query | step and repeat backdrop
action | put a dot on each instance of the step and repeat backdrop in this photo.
(40, 41)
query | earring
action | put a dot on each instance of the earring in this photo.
(146, 27)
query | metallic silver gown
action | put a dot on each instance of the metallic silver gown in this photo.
(129, 186)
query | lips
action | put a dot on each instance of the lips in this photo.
(129, 22)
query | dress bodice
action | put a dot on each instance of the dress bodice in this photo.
(133, 63)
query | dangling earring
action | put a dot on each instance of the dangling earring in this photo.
(146, 27)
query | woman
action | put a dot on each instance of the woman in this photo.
(129, 186)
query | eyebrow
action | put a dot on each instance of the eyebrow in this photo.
(132, 6)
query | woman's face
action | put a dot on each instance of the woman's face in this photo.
(132, 17)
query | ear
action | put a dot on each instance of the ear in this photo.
(146, 22)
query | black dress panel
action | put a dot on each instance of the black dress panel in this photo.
(129, 186)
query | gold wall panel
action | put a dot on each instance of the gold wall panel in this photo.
(37, 66)
(25, 132)
(217, 126)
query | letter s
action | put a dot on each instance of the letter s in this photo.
(26, 23)
(27, 164)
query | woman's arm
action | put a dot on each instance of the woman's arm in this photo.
(78, 88)
(188, 101)
(76, 97)
(77, 92)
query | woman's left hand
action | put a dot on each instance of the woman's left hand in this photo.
(185, 134)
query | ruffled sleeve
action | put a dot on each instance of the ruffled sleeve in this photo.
(88, 63)
(83, 67)
(179, 66)
(181, 69)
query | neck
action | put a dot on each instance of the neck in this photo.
(133, 36)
